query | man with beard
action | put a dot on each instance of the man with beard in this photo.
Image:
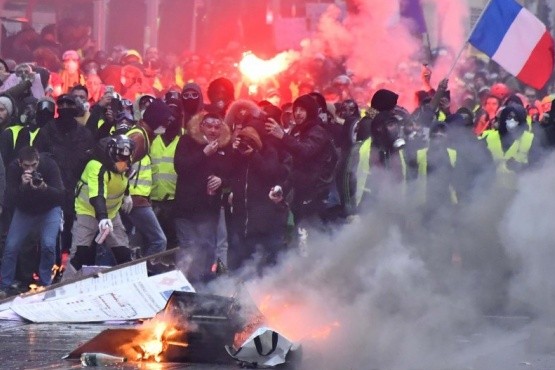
(313, 170)
(71, 146)
(202, 165)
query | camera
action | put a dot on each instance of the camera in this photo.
(36, 178)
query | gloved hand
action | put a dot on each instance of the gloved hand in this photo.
(127, 204)
(105, 223)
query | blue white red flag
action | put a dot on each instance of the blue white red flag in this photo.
(518, 41)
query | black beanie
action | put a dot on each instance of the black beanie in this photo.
(308, 103)
(157, 114)
(384, 100)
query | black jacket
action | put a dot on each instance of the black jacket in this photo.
(193, 168)
(308, 145)
(35, 201)
(252, 178)
(71, 148)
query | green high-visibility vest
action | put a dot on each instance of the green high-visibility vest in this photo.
(164, 177)
(363, 170)
(422, 162)
(95, 181)
(17, 129)
(141, 182)
(518, 151)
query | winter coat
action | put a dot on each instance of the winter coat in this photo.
(251, 180)
(193, 168)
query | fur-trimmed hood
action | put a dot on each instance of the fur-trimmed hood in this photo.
(241, 111)
(193, 130)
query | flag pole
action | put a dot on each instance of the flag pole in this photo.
(466, 42)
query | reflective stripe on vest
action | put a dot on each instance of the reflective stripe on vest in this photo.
(113, 188)
(518, 151)
(164, 177)
(363, 170)
(15, 134)
(422, 161)
(141, 183)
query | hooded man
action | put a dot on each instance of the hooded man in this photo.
(314, 162)
(71, 145)
(192, 100)
(221, 94)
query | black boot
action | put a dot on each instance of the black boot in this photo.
(84, 255)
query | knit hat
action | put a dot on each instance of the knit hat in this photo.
(157, 114)
(308, 103)
(7, 103)
(384, 100)
(252, 138)
(70, 55)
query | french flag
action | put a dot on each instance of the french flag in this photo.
(518, 41)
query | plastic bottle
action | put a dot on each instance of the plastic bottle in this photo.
(100, 359)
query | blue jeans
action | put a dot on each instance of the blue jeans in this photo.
(197, 242)
(21, 226)
(146, 224)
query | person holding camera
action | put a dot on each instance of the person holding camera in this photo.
(35, 191)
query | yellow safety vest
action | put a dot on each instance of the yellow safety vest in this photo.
(141, 182)
(518, 151)
(95, 181)
(363, 170)
(138, 129)
(422, 161)
(17, 129)
(164, 177)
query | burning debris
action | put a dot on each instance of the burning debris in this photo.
(197, 328)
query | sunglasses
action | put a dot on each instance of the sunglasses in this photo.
(190, 95)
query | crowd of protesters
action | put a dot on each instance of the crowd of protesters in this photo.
(116, 156)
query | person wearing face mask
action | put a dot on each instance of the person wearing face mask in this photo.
(434, 170)
(221, 94)
(22, 134)
(102, 190)
(512, 145)
(70, 75)
(379, 162)
(192, 99)
(23, 82)
(71, 146)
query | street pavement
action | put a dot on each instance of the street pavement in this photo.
(514, 343)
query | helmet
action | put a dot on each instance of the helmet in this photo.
(120, 148)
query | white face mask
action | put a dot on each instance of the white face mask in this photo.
(511, 124)
(160, 130)
(399, 143)
(123, 81)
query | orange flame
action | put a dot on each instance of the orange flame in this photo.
(256, 69)
(154, 338)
